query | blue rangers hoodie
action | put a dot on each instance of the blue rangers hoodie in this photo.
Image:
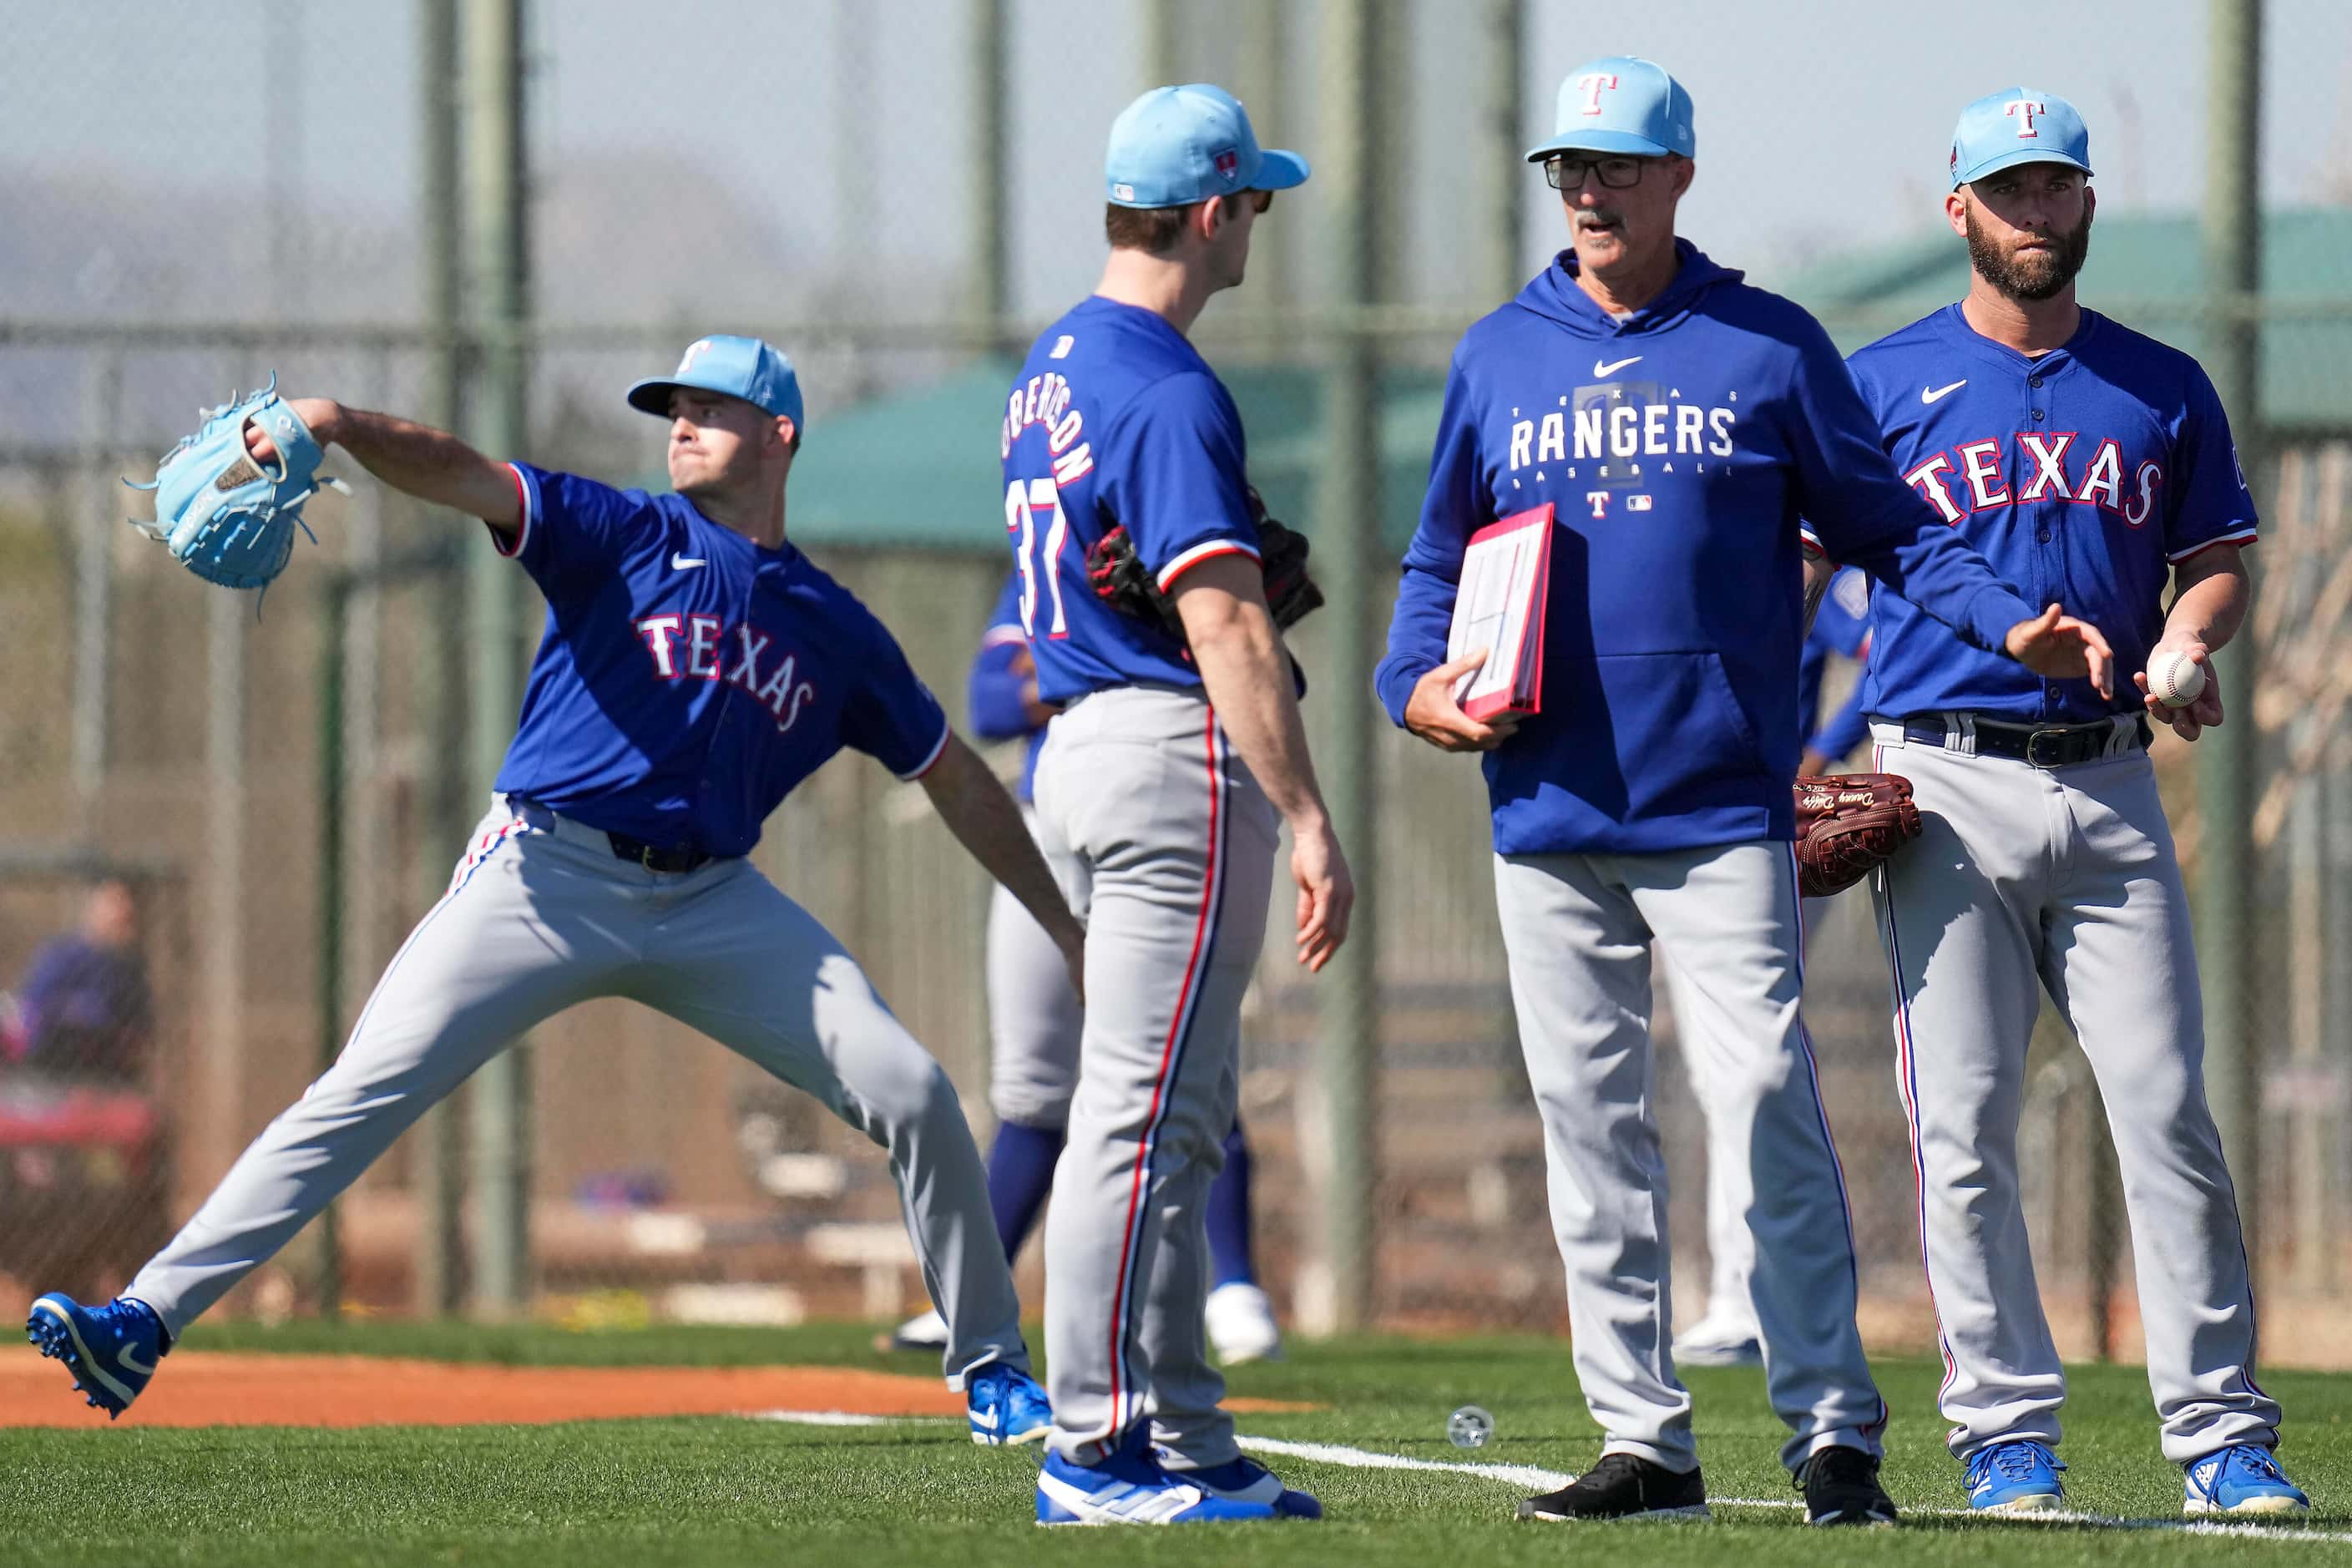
(1679, 443)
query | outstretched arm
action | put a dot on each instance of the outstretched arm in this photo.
(415, 459)
(984, 818)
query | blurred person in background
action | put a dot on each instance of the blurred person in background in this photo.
(85, 1010)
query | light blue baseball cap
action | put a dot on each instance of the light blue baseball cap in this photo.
(739, 367)
(2017, 125)
(1176, 145)
(1620, 104)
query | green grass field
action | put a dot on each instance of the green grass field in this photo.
(733, 1491)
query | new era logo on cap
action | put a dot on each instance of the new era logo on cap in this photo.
(1175, 145)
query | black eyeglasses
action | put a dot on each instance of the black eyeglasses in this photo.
(1617, 171)
(1261, 199)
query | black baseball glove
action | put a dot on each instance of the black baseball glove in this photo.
(1123, 582)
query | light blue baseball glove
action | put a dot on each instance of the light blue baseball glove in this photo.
(220, 512)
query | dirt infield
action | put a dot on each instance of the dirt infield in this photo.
(201, 1389)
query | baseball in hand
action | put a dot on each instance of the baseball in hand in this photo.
(2175, 679)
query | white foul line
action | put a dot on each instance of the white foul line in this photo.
(1548, 1481)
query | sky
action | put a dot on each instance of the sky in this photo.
(839, 130)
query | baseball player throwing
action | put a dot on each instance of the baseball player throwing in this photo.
(1161, 795)
(2074, 452)
(1677, 419)
(1035, 1024)
(695, 668)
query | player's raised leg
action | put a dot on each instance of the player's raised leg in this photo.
(517, 938)
(738, 960)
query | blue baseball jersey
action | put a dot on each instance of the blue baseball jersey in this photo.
(997, 698)
(688, 678)
(1679, 445)
(1841, 625)
(2084, 475)
(1115, 420)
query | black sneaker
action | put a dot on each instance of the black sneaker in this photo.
(1624, 1486)
(1841, 1487)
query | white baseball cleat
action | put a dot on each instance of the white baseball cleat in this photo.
(925, 1331)
(1240, 1324)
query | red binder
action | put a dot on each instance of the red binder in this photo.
(1500, 608)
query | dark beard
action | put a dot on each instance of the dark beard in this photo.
(2029, 278)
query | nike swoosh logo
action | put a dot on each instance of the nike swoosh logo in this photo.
(680, 562)
(1615, 365)
(1929, 393)
(987, 1418)
(130, 1358)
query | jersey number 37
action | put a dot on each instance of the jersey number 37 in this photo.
(1025, 500)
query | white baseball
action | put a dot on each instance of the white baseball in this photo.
(2175, 679)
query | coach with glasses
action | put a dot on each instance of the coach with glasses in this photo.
(1677, 423)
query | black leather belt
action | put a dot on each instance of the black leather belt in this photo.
(2039, 745)
(653, 858)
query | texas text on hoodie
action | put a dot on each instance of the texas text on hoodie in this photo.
(1679, 445)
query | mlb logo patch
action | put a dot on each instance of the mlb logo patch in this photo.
(1638, 503)
(1229, 164)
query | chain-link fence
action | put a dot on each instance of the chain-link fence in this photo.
(175, 739)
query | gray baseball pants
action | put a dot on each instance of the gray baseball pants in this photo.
(1577, 929)
(541, 914)
(2030, 878)
(1165, 843)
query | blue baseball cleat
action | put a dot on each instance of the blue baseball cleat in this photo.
(1129, 1487)
(2015, 1478)
(111, 1350)
(1246, 1480)
(2241, 1479)
(1005, 1406)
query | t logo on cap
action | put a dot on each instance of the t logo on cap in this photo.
(1985, 142)
(1619, 104)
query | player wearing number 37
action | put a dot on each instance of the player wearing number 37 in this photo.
(1678, 421)
(696, 666)
(1160, 797)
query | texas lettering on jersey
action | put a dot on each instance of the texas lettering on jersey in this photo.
(697, 647)
(2084, 474)
(1998, 471)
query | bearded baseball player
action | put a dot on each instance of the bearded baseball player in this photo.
(696, 666)
(1678, 421)
(1165, 780)
(2073, 451)
(1035, 1024)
